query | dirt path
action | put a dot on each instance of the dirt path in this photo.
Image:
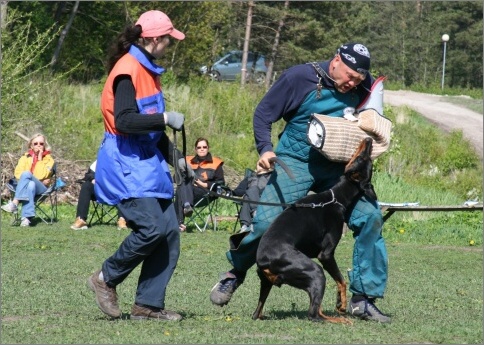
(446, 115)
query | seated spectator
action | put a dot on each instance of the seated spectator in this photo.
(204, 170)
(250, 188)
(85, 196)
(33, 173)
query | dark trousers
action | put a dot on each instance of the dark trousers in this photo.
(186, 192)
(86, 194)
(247, 210)
(154, 242)
(256, 185)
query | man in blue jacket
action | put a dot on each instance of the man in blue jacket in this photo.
(333, 88)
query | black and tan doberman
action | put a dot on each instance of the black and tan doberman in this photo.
(299, 234)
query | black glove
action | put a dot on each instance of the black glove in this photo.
(174, 120)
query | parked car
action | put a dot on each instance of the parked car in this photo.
(228, 67)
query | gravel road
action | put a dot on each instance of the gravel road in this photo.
(446, 115)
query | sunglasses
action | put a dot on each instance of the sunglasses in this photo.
(41, 144)
(202, 147)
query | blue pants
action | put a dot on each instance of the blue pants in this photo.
(28, 187)
(370, 262)
(154, 242)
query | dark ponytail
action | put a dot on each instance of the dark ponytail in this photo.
(123, 42)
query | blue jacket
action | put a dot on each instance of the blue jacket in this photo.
(131, 165)
(293, 98)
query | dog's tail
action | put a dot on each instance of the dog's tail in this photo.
(283, 166)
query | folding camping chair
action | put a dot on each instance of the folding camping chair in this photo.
(102, 213)
(205, 210)
(45, 203)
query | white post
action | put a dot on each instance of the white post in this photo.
(445, 38)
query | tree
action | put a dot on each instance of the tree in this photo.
(245, 51)
(403, 36)
(64, 34)
(21, 47)
(275, 46)
(3, 14)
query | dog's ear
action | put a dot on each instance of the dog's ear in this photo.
(362, 152)
(364, 181)
(354, 175)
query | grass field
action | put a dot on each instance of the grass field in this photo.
(434, 293)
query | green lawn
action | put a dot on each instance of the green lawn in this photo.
(434, 294)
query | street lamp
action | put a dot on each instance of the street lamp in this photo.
(445, 38)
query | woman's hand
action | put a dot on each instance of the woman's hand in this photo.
(40, 152)
(46, 182)
(200, 183)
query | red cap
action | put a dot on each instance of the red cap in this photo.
(156, 23)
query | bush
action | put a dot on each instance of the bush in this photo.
(26, 87)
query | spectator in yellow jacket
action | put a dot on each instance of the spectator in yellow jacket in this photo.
(33, 174)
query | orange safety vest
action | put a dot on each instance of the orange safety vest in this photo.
(131, 165)
(205, 170)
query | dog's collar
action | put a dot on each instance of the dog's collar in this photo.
(322, 204)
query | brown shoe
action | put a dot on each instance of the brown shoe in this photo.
(79, 224)
(151, 313)
(106, 296)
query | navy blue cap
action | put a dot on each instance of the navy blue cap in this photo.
(356, 56)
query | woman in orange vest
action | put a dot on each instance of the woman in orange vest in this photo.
(132, 170)
(207, 172)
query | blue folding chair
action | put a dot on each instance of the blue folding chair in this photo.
(45, 203)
